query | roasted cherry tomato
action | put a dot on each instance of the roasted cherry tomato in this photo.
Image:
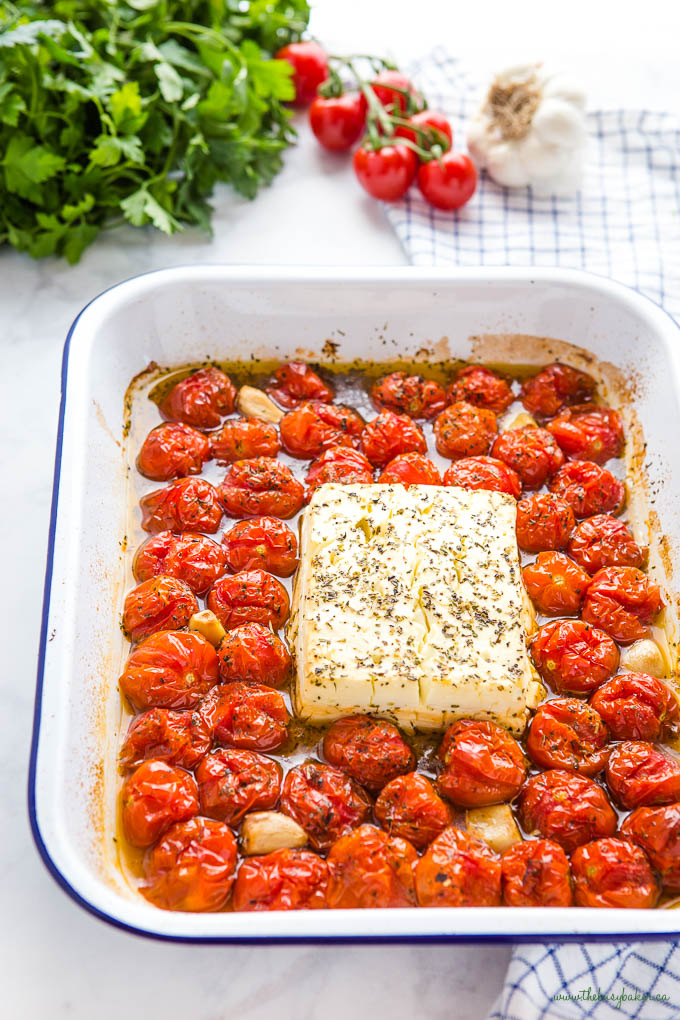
(429, 128)
(588, 488)
(613, 873)
(531, 452)
(602, 541)
(636, 706)
(449, 181)
(244, 439)
(481, 387)
(623, 602)
(483, 473)
(173, 450)
(544, 522)
(640, 774)
(389, 435)
(395, 90)
(463, 430)
(372, 751)
(410, 469)
(546, 393)
(386, 173)
(154, 797)
(178, 738)
(201, 400)
(251, 596)
(572, 657)
(408, 394)
(192, 867)
(295, 382)
(370, 869)
(458, 870)
(170, 670)
(282, 880)
(483, 764)
(338, 121)
(555, 584)
(310, 68)
(657, 831)
(325, 801)
(565, 807)
(588, 432)
(340, 464)
(536, 874)
(251, 652)
(313, 427)
(246, 715)
(189, 504)
(191, 558)
(252, 488)
(410, 807)
(232, 782)
(162, 603)
(565, 733)
(264, 542)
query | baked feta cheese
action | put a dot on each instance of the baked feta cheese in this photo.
(409, 603)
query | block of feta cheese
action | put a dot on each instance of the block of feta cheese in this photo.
(409, 603)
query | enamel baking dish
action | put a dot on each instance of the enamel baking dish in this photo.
(178, 316)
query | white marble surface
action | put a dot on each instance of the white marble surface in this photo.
(55, 960)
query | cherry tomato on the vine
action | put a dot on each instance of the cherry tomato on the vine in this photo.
(337, 121)
(432, 129)
(449, 181)
(310, 68)
(394, 89)
(385, 173)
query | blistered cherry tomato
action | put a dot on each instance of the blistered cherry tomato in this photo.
(408, 394)
(458, 870)
(640, 774)
(549, 390)
(170, 670)
(657, 831)
(436, 128)
(295, 382)
(252, 488)
(565, 733)
(246, 715)
(340, 464)
(251, 596)
(232, 782)
(264, 542)
(313, 427)
(483, 473)
(395, 90)
(536, 874)
(338, 121)
(189, 504)
(531, 452)
(251, 652)
(244, 439)
(325, 801)
(463, 430)
(613, 873)
(449, 181)
(282, 880)
(573, 657)
(192, 867)
(201, 400)
(636, 706)
(178, 738)
(172, 450)
(410, 807)
(154, 797)
(162, 603)
(390, 435)
(386, 173)
(544, 522)
(588, 488)
(192, 558)
(602, 541)
(588, 432)
(370, 869)
(623, 602)
(565, 807)
(478, 385)
(372, 751)
(483, 764)
(410, 469)
(310, 68)
(555, 584)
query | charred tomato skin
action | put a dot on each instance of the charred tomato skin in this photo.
(233, 781)
(294, 383)
(554, 387)
(371, 751)
(458, 870)
(408, 394)
(482, 387)
(536, 873)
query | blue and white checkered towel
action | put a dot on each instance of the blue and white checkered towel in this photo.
(625, 223)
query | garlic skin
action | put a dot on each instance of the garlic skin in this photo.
(531, 131)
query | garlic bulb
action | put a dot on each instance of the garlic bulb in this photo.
(531, 130)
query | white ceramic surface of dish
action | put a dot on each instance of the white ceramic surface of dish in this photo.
(178, 316)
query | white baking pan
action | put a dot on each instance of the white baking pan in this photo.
(184, 315)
